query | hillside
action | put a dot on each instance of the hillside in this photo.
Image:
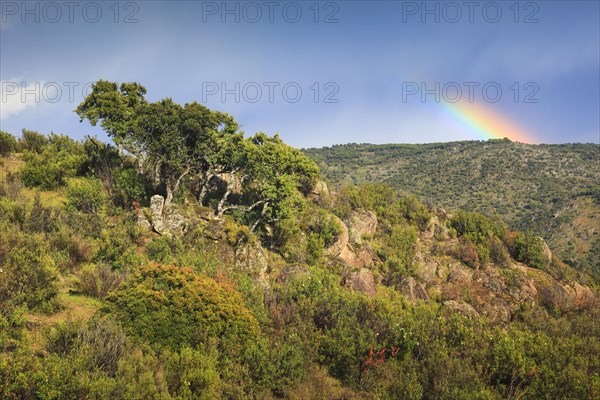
(189, 261)
(551, 190)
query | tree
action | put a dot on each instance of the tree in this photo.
(115, 107)
(8, 143)
(32, 141)
(168, 139)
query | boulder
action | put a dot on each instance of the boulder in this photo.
(460, 274)
(364, 282)
(156, 212)
(342, 241)
(462, 308)
(349, 257)
(320, 189)
(582, 295)
(412, 289)
(426, 270)
(496, 310)
(166, 222)
(251, 257)
(142, 221)
(549, 290)
(361, 222)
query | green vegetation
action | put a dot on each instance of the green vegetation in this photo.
(546, 189)
(248, 285)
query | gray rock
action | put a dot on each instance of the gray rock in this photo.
(361, 222)
(364, 282)
(412, 289)
(462, 308)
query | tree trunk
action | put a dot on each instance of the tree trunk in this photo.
(169, 198)
(207, 177)
(220, 207)
(172, 187)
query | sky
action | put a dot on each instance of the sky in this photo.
(318, 73)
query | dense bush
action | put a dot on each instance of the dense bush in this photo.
(32, 141)
(528, 249)
(85, 195)
(8, 144)
(50, 165)
(174, 307)
(28, 273)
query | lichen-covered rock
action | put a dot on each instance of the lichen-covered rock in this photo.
(460, 274)
(157, 203)
(426, 270)
(215, 230)
(174, 222)
(462, 308)
(165, 222)
(251, 257)
(143, 222)
(364, 282)
(360, 223)
(320, 189)
(342, 241)
(412, 289)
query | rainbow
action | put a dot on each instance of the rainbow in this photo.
(485, 122)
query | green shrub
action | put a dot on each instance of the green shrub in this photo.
(40, 219)
(32, 141)
(129, 188)
(194, 373)
(86, 195)
(164, 249)
(528, 249)
(315, 248)
(174, 307)
(8, 144)
(28, 276)
(56, 161)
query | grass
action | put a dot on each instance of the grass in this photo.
(75, 306)
(49, 198)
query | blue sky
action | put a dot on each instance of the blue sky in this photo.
(353, 62)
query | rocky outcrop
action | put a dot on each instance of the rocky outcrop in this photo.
(164, 222)
(462, 308)
(342, 241)
(215, 230)
(364, 282)
(320, 189)
(251, 257)
(412, 289)
(360, 223)
(349, 247)
(460, 274)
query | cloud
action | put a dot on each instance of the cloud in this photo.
(17, 97)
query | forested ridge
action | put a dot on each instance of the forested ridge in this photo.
(186, 259)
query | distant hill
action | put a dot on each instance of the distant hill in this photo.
(552, 190)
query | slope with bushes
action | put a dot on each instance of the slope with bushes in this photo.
(254, 281)
(552, 190)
